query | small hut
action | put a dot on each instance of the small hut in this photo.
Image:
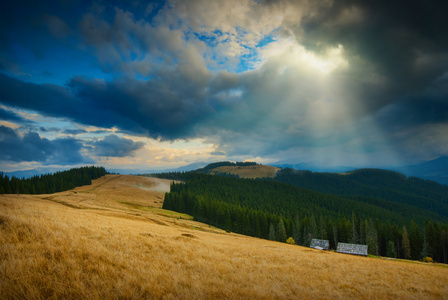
(354, 249)
(320, 244)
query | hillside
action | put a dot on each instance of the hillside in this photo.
(241, 170)
(365, 184)
(112, 240)
(394, 215)
(412, 197)
(436, 170)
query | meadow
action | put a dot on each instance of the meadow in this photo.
(112, 240)
(254, 171)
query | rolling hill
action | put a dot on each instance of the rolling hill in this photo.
(435, 170)
(366, 185)
(111, 239)
(367, 206)
(240, 170)
(387, 189)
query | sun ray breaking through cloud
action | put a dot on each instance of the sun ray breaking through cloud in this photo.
(167, 83)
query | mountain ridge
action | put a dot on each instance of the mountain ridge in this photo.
(435, 169)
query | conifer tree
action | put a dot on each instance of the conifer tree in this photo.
(425, 244)
(314, 231)
(228, 221)
(354, 238)
(444, 245)
(405, 245)
(296, 230)
(281, 231)
(415, 240)
(391, 252)
(371, 237)
(335, 235)
(272, 232)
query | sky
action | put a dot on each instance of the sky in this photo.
(162, 84)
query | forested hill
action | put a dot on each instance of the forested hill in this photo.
(394, 215)
(371, 185)
(51, 183)
(240, 169)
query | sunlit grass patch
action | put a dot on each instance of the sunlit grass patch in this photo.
(49, 250)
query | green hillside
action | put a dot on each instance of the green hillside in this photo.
(51, 183)
(271, 209)
(366, 185)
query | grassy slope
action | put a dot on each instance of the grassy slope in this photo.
(256, 171)
(112, 240)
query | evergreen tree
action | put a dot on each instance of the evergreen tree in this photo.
(371, 237)
(425, 245)
(272, 233)
(228, 220)
(313, 229)
(391, 252)
(405, 244)
(281, 231)
(335, 235)
(415, 240)
(354, 238)
(444, 245)
(296, 230)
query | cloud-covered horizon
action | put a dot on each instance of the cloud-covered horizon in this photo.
(337, 82)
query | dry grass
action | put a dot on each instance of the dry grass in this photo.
(256, 171)
(107, 249)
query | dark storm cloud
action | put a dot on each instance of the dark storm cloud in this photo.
(403, 43)
(115, 146)
(427, 107)
(31, 147)
(52, 99)
(32, 24)
(158, 81)
(7, 115)
(74, 131)
(49, 129)
(166, 109)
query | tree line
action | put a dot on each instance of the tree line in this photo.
(274, 210)
(50, 183)
(369, 185)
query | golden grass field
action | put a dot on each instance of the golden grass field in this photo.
(256, 171)
(112, 240)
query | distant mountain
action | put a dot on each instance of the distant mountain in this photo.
(41, 171)
(310, 166)
(436, 170)
(186, 168)
(191, 167)
(32, 172)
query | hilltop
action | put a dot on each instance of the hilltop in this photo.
(240, 169)
(111, 239)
